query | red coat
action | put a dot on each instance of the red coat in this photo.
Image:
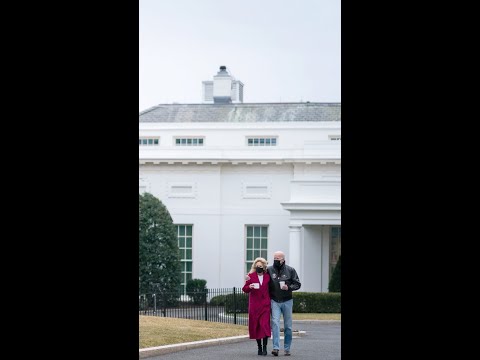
(258, 307)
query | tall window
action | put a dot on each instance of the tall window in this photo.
(256, 244)
(335, 247)
(184, 236)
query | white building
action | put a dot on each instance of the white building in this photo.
(244, 180)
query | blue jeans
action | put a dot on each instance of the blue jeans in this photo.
(286, 309)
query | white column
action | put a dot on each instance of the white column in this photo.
(294, 259)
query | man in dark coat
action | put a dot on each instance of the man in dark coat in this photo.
(283, 280)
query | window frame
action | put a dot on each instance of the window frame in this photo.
(337, 251)
(262, 141)
(148, 141)
(183, 256)
(262, 251)
(189, 141)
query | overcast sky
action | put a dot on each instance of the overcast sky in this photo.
(282, 51)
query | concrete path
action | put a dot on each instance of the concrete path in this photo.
(321, 341)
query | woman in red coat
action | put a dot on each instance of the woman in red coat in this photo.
(259, 304)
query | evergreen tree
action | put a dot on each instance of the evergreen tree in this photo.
(335, 281)
(159, 256)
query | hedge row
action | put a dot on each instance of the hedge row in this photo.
(303, 302)
(239, 304)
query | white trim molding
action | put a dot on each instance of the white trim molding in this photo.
(182, 190)
(256, 190)
(311, 206)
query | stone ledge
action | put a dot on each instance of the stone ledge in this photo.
(160, 350)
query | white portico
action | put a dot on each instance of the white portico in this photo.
(315, 210)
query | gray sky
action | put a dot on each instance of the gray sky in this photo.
(282, 51)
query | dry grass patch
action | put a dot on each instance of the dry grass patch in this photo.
(302, 316)
(307, 316)
(158, 331)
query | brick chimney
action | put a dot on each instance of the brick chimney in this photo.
(224, 89)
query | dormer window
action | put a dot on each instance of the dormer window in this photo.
(148, 141)
(262, 141)
(189, 141)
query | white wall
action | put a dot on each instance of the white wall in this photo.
(304, 167)
(229, 135)
(312, 258)
(219, 211)
(239, 210)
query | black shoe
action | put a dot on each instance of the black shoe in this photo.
(275, 352)
(260, 351)
(264, 350)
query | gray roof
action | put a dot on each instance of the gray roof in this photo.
(254, 112)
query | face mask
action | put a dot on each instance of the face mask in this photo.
(276, 263)
(259, 270)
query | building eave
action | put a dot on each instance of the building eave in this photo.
(312, 206)
(190, 161)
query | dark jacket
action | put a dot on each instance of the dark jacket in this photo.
(285, 273)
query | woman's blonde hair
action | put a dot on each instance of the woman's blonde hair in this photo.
(264, 264)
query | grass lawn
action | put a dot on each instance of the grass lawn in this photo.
(307, 316)
(157, 331)
(302, 316)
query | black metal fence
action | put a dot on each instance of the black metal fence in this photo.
(228, 305)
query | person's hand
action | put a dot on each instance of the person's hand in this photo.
(284, 287)
(251, 286)
(247, 277)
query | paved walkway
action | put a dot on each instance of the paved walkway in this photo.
(321, 342)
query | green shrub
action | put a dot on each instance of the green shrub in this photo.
(306, 302)
(196, 289)
(159, 257)
(171, 299)
(303, 302)
(335, 284)
(218, 300)
(228, 301)
(147, 301)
